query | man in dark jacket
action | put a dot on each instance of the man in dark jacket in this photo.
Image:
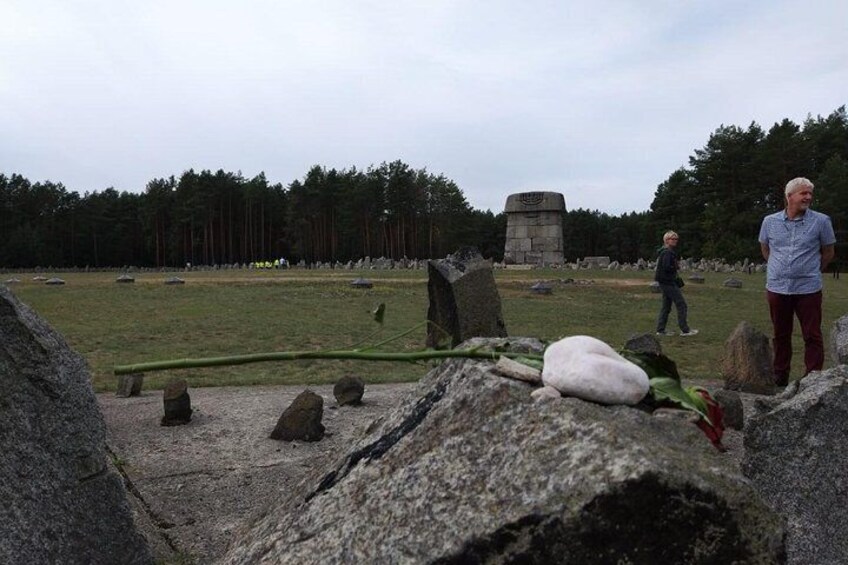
(666, 276)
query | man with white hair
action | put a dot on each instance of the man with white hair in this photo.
(798, 244)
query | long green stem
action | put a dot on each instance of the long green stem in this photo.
(339, 354)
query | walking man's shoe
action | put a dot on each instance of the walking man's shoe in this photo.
(690, 332)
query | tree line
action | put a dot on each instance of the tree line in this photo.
(223, 218)
(393, 210)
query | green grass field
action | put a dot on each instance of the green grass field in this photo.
(235, 312)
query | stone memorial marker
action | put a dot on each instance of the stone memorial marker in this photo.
(302, 419)
(534, 228)
(177, 403)
(746, 363)
(732, 407)
(125, 279)
(541, 288)
(644, 343)
(696, 278)
(130, 385)
(464, 300)
(349, 390)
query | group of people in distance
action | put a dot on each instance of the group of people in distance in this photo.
(798, 244)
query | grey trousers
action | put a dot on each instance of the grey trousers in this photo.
(672, 294)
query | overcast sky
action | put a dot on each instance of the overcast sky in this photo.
(601, 101)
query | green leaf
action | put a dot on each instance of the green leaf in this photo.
(669, 389)
(656, 366)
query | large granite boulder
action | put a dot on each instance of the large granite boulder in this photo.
(794, 456)
(61, 500)
(464, 301)
(470, 469)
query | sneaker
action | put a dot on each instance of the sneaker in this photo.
(665, 333)
(690, 332)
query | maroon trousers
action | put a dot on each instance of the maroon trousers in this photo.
(783, 309)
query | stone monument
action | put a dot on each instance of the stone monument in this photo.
(534, 228)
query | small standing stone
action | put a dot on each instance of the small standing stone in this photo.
(541, 288)
(733, 283)
(177, 403)
(839, 341)
(125, 279)
(130, 385)
(696, 278)
(302, 419)
(55, 281)
(361, 283)
(174, 280)
(746, 365)
(644, 343)
(731, 407)
(349, 390)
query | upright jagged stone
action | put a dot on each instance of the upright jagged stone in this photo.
(464, 300)
(746, 364)
(61, 501)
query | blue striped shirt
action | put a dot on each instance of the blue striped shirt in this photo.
(794, 263)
